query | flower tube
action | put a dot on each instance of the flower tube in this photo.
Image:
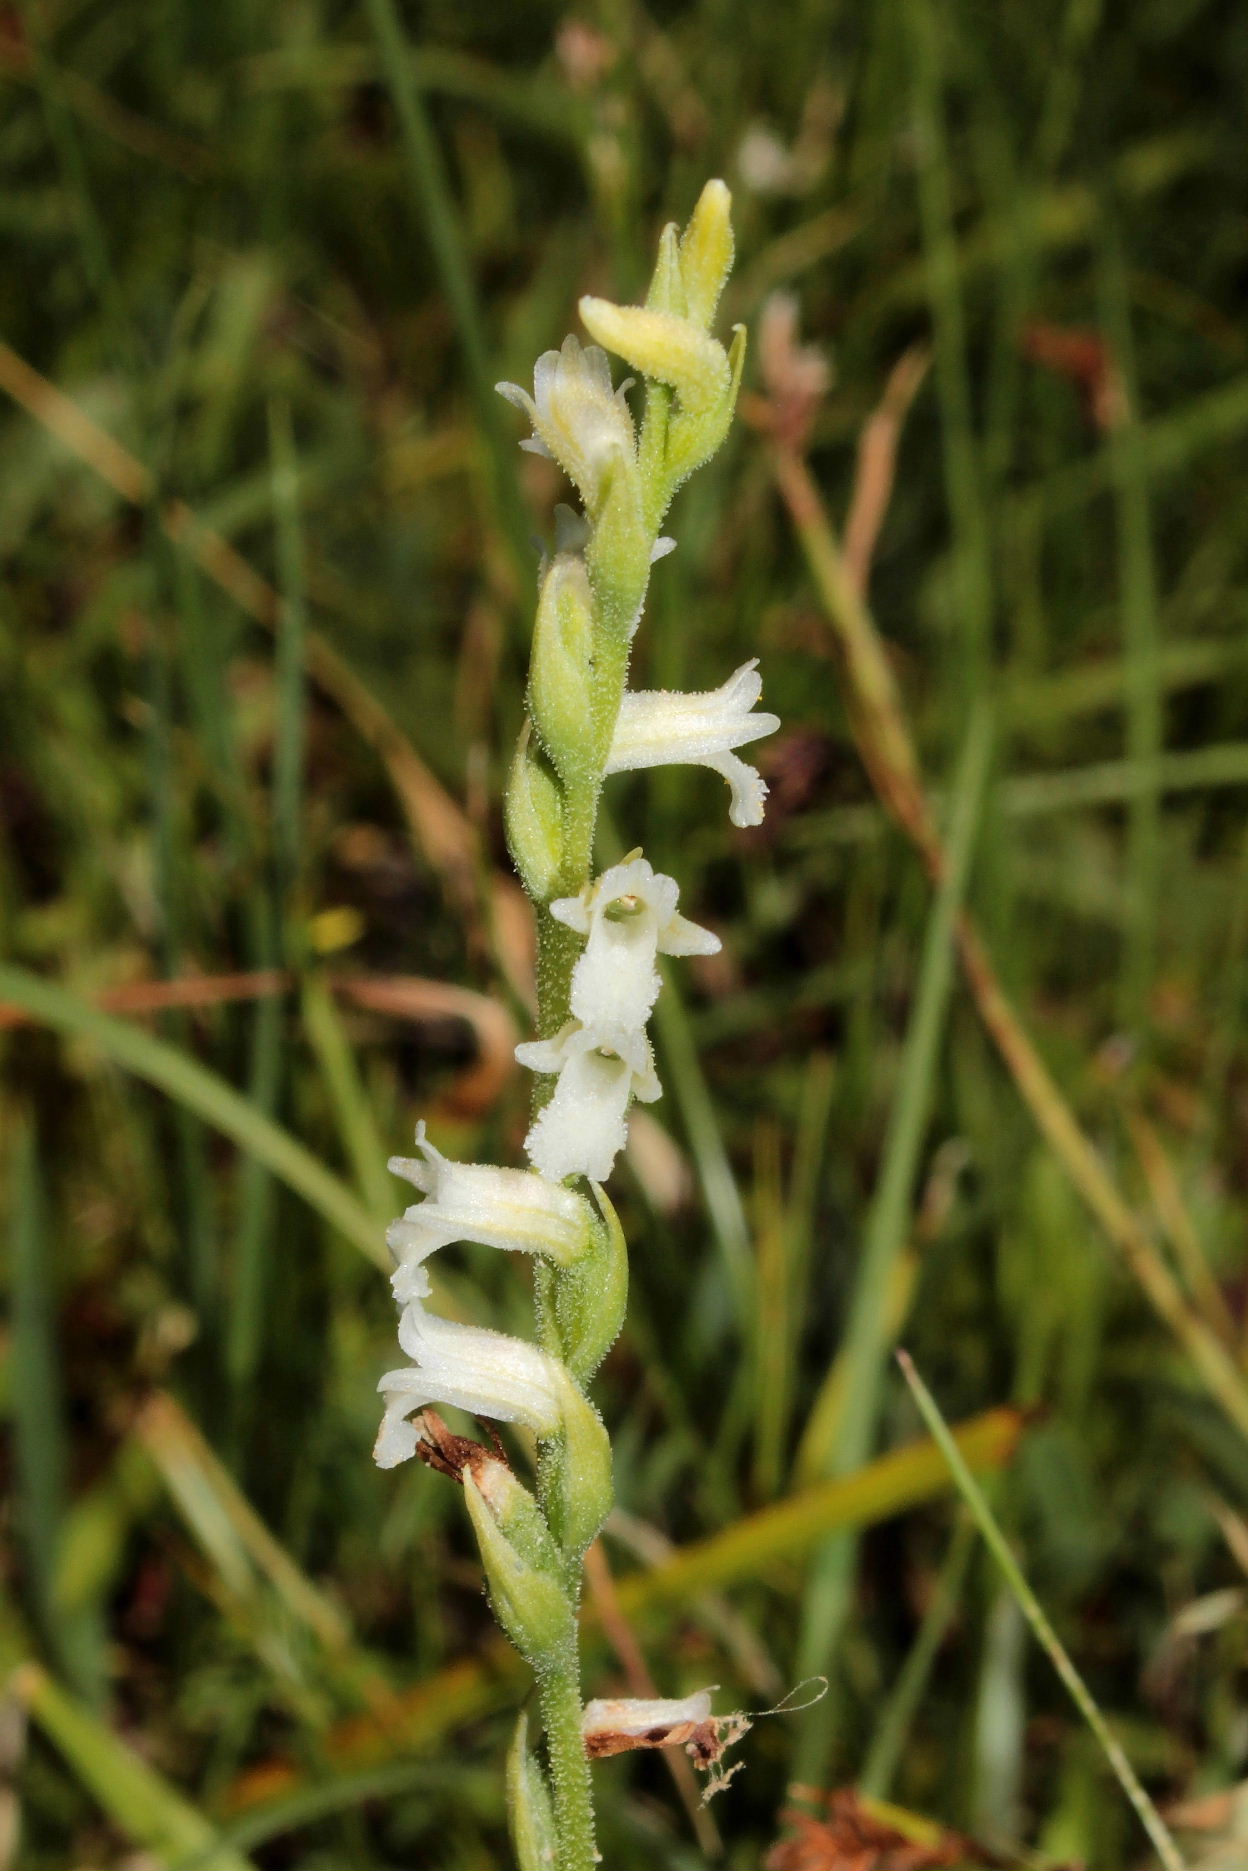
(661, 727)
(505, 1208)
(486, 1373)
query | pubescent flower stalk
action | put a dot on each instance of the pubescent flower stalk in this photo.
(598, 944)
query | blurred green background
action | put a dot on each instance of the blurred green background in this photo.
(270, 551)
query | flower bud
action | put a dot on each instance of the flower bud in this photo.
(618, 554)
(706, 251)
(528, 1805)
(533, 810)
(561, 674)
(528, 1598)
(659, 344)
(667, 288)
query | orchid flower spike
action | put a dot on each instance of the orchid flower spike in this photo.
(583, 1128)
(484, 1372)
(505, 1208)
(658, 727)
(578, 419)
(628, 917)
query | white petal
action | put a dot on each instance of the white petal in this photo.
(655, 726)
(582, 1129)
(572, 912)
(577, 417)
(682, 937)
(543, 1055)
(749, 788)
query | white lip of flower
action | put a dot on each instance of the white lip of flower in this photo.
(628, 917)
(484, 1372)
(505, 1208)
(583, 1128)
(578, 418)
(658, 727)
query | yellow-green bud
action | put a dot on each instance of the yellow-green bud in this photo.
(533, 810)
(706, 251)
(662, 345)
(521, 1566)
(561, 673)
(667, 288)
(529, 1805)
(618, 558)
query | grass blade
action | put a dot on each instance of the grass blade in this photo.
(206, 1094)
(134, 1795)
(1032, 1610)
(829, 1592)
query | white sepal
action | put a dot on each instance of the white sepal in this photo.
(584, 1126)
(658, 727)
(577, 417)
(628, 917)
(505, 1208)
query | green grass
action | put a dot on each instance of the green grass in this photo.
(280, 256)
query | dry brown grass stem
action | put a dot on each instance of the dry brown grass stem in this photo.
(877, 462)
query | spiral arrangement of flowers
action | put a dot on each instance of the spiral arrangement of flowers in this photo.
(599, 939)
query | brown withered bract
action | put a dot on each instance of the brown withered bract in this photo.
(700, 1738)
(705, 1742)
(441, 1449)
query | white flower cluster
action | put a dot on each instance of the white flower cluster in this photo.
(602, 1055)
(484, 1372)
(601, 1058)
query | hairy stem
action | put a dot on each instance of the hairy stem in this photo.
(560, 1690)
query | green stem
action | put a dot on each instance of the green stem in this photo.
(558, 949)
(569, 1766)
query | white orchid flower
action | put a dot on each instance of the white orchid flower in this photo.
(506, 1208)
(628, 917)
(484, 1372)
(584, 1126)
(660, 727)
(578, 418)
